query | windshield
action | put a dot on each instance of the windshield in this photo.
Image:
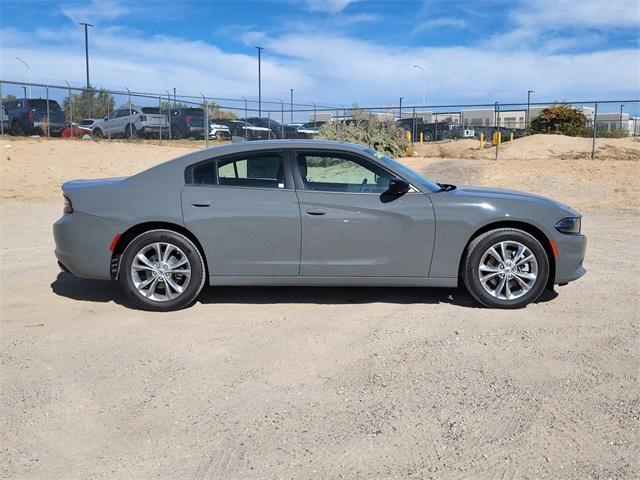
(411, 175)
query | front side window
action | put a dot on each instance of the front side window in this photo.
(331, 172)
(257, 171)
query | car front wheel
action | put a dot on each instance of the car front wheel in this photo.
(162, 270)
(505, 268)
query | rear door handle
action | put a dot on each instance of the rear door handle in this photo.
(201, 204)
(316, 212)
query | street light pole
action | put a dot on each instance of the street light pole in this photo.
(529, 92)
(423, 84)
(259, 82)
(291, 104)
(400, 109)
(28, 75)
(86, 57)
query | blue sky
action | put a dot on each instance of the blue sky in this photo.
(334, 51)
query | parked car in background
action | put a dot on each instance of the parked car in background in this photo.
(87, 124)
(134, 122)
(187, 123)
(75, 130)
(304, 130)
(311, 213)
(431, 132)
(244, 130)
(28, 116)
(218, 131)
(278, 130)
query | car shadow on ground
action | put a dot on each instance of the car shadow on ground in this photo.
(75, 288)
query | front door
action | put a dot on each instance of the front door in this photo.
(245, 211)
(352, 228)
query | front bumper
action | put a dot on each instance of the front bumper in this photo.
(571, 253)
(82, 244)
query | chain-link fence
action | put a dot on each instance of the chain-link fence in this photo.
(492, 130)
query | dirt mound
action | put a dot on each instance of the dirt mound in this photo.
(538, 146)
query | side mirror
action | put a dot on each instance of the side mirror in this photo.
(398, 186)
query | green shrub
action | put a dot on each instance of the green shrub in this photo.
(381, 135)
(561, 119)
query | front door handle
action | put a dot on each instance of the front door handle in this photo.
(201, 204)
(316, 212)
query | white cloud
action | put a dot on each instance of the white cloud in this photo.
(442, 22)
(547, 14)
(325, 68)
(328, 6)
(97, 10)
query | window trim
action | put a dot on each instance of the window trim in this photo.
(347, 154)
(286, 163)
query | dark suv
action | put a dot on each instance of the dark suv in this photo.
(187, 122)
(28, 116)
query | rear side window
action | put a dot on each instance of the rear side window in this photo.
(257, 171)
(42, 103)
(151, 110)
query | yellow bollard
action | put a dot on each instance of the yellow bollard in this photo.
(481, 141)
(493, 138)
(421, 138)
(511, 137)
(407, 135)
(499, 137)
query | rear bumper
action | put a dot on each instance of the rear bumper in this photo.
(571, 253)
(52, 126)
(153, 129)
(82, 244)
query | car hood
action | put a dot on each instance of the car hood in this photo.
(501, 193)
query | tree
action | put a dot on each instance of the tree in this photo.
(7, 98)
(216, 111)
(77, 105)
(561, 119)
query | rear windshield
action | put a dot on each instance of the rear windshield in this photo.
(42, 103)
(150, 110)
(193, 111)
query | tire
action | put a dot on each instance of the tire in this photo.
(130, 131)
(16, 129)
(98, 133)
(504, 283)
(427, 137)
(176, 133)
(153, 287)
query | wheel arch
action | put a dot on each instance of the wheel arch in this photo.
(526, 227)
(130, 234)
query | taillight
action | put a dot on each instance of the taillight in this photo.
(30, 114)
(187, 119)
(143, 118)
(68, 208)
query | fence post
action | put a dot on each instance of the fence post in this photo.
(108, 118)
(497, 124)
(70, 110)
(595, 129)
(48, 128)
(246, 114)
(169, 107)
(1, 112)
(160, 113)
(269, 123)
(206, 120)
(413, 127)
(130, 126)
(282, 118)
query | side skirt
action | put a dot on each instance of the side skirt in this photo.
(334, 281)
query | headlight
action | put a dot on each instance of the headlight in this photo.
(569, 225)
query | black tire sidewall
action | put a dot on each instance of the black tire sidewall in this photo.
(198, 270)
(483, 243)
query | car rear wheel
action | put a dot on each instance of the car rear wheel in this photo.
(176, 133)
(162, 270)
(98, 133)
(505, 268)
(16, 129)
(130, 131)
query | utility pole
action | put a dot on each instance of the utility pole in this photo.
(86, 57)
(291, 105)
(259, 82)
(175, 102)
(529, 92)
(400, 109)
(28, 76)
(423, 84)
(621, 107)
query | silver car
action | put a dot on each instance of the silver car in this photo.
(299, 212)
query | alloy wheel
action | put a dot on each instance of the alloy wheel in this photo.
(508, 270)
(160, 271)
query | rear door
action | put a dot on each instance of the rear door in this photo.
(245, 211)
(351, 227)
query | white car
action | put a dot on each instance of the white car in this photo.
(219, 132)
(134, 122)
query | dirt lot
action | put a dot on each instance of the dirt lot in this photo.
(319, 382)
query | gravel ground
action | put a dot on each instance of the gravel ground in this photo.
(320, 382)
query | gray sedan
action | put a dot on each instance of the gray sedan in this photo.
(311, 213)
